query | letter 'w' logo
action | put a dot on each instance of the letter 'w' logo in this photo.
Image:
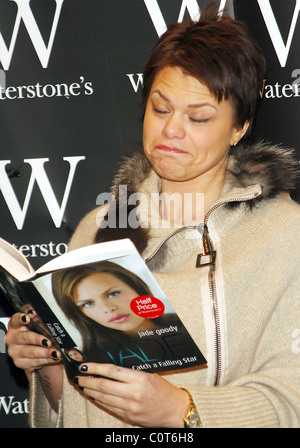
(281, 49)
(25, 13)
(187, 5)
(39, 175)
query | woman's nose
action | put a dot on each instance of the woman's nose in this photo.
(174, 127)
(109, 308)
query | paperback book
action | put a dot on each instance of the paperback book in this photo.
(100, 303)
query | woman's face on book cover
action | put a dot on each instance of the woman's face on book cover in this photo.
(106, 299)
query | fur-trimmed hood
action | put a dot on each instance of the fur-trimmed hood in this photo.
(273, 167)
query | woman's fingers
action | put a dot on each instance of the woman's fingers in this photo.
(28, 349)
(141, 398)
(108, 371)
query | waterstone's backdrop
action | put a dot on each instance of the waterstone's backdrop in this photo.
(71, 76)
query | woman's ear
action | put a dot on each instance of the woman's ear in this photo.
(238, 134)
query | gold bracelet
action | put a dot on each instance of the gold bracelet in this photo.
(192, 417)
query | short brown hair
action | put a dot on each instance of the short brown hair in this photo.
(217, 50)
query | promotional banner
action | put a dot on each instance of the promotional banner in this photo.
(71, 73)
(276, 27)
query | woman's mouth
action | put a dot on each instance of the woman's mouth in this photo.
(170, 149)
(118, 318)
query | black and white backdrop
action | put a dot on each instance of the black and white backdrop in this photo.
(71, 76)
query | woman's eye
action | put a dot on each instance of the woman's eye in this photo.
(198, 120)
(160, 110)
(113, 294)
(88, 304)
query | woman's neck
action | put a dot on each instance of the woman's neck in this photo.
(187, 203)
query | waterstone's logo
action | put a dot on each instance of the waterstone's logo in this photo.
(190, 7)
(24, 13)
(39, 177)
(187, 6)
(282, 49)
(9, 405)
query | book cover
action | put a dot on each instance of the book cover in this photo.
(100, 303)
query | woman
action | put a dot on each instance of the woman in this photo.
(233, 278)
(99, 292)
(97, 298)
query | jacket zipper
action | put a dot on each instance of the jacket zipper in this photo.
(180, 229)
(209, 251)
(212, 285)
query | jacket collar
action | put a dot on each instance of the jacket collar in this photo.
(255, 172)
(273, 168)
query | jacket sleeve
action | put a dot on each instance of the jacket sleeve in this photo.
(233, 407)
(85, 232)
(41, 415)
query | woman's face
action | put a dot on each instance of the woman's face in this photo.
(76, 355)
(187, 133)
(106, 299)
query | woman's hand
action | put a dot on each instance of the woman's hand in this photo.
(141, 398)
(28, 349)
(33, 351)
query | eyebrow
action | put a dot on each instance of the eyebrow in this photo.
(205, 103)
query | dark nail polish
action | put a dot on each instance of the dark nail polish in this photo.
(76, 381)
(83, 368)
(54, 355)
(45, 342)
(24, 318)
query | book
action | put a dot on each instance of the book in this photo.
(100, 303)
